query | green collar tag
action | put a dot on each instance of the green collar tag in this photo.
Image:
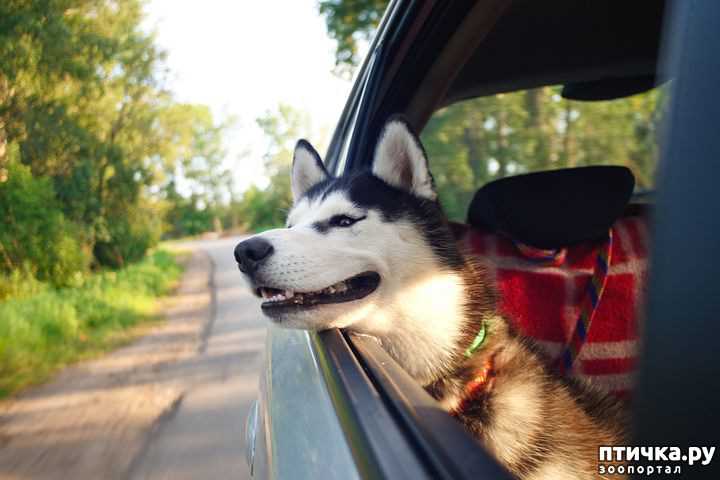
(477, 343)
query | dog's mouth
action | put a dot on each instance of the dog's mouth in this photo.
(353, 288)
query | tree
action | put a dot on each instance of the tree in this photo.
(262, 208)
(349, 22)
(193, 156)
(79, 99)
(42, 45)
(83, 106)
(35, 237)
(475, 141)
(193, 151)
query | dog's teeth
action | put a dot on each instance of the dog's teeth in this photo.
(289, 294)
(332, 289)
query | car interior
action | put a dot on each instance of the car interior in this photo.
(547, 231)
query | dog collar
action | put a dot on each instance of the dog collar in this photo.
(477, 341)
(481, 381)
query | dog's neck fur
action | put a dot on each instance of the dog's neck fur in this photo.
(428, 328)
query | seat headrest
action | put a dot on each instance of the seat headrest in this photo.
(556, 208)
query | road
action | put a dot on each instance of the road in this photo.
(204, 438)
(171, 405)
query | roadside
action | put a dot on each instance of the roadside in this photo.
(94, 419)
(43, 329)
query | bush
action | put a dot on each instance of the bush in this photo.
(185, 218)
(262, 209)
(20, 283)
(129, 237)
(34, 234)
(42, 332)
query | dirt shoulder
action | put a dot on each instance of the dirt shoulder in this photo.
(95, 418)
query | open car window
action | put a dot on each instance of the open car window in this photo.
(473, 142)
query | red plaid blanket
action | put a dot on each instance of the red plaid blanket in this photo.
(544, 300)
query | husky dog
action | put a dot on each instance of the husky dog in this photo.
(372, 252)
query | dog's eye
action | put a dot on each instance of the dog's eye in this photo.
(342, 221)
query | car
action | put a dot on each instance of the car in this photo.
(334, 405)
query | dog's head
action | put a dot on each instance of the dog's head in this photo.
(356, 246)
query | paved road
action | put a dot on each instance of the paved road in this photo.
(204, 437)
(171, 405)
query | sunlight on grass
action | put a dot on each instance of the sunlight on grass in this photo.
(41, 332)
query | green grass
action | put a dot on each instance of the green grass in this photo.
(41, 332)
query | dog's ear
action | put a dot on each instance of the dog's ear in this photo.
(400, 160)
(307, 169)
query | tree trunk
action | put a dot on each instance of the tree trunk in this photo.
(533, 108)
(502, 143)
(567, 156)
(5, 94)
(472, 138)
(536, 130)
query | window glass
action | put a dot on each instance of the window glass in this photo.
(475, 141)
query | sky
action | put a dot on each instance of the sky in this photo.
(244, 58)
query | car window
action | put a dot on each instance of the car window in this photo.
(475, 141)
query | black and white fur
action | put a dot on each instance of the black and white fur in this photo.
(426, 309)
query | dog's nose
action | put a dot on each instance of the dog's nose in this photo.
(250, 253)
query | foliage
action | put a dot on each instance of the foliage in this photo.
(263, 208)
(475, 141)
(349, 22)
(42, 332)
(197, 143)
(89, 144)
(194, 144)
(130, 235)
(186, 217)
(82, 107)
(91, 147)
(20, 283)
(35, 238)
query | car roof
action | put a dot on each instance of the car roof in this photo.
(429, 54)
(543, 43)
